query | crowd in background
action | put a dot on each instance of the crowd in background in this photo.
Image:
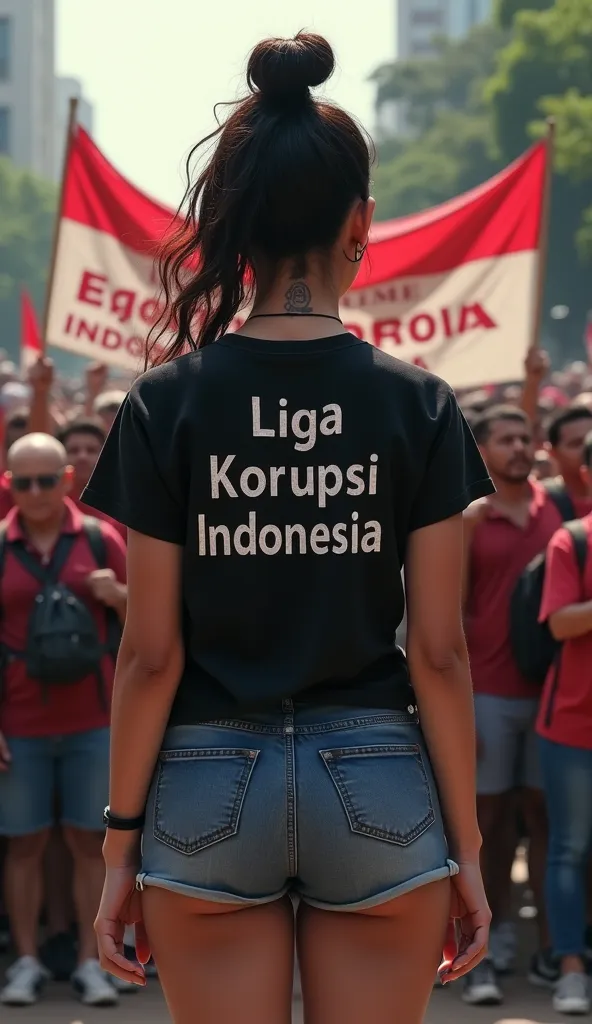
(534, 738)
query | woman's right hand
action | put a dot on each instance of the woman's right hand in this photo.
(468, 929)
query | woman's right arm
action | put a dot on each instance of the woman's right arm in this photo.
(439, 668)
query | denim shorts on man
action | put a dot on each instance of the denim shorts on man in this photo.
(337, 806)
(68, 772)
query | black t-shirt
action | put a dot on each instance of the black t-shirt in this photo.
(291, 473)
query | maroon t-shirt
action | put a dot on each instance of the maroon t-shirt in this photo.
(500, 551)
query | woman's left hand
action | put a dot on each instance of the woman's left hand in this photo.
(121, 905)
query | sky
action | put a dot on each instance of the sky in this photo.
(155, 68)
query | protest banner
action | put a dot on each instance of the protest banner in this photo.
(456, 289)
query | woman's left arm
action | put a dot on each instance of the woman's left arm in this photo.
(148, 671)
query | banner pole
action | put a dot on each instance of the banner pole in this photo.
(72, 115)
(539, 295)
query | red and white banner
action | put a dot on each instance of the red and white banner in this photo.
(31, 344)
(453, 288)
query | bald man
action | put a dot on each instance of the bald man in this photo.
(54, 738)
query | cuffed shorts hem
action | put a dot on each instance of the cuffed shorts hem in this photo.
(560, 952)
(25, 830)
(83, 826)
(211, 895)
(437, 875)
(216, 896)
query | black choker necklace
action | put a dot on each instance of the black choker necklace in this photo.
(267, 316)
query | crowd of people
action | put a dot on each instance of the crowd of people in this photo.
(63, 600)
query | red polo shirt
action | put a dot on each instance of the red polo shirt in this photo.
(565, 714)
(25, 709)
(500, 551)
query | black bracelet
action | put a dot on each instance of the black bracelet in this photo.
(122, 824)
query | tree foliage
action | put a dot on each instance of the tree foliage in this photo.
(450, 148)
(546, 69)
(506, 10)
(27, 211)
(479, 103)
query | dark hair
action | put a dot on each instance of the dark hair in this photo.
(482, 425)
(569, 415)
(284, 173)
(82, 425)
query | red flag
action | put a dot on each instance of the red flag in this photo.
(453, 288)
(31, 344)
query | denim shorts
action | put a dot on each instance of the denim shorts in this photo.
(508, 746)
(64, 774)
(337, 806)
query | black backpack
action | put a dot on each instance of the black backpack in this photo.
(561, 499)
(63, 644)
(533, 646)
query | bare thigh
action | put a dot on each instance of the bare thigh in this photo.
(376, 966)
(219, 964)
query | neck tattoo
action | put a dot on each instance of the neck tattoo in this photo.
(298, 298)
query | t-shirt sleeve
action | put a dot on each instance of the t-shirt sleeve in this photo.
(455, 474)
(130, 484)
(562, 585)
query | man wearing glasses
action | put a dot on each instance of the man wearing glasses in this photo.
(62, 584)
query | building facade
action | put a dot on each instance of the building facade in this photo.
(27, 68)
(418, 22)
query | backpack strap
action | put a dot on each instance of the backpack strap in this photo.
(96, 540)
(561, 499)
(579, 536)
(98, 547)
(45, 573)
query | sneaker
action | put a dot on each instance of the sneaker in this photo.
(25, 980)
(502, 947)
(572, 994)
(150, 969)
(481, 987)
(58, 953)
(93, 985)
(544, 969)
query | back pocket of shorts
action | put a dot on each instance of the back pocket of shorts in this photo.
(384, 790)
(200, 795)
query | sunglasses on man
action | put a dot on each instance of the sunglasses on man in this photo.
(45, 482)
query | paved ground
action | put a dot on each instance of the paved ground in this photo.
(524, 1005)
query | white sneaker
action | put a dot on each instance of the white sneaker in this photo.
(502, 947)
(481, 987)
(93, 985)
(572, 994)
(25, 980)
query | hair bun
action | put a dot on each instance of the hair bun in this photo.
(285, 69)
